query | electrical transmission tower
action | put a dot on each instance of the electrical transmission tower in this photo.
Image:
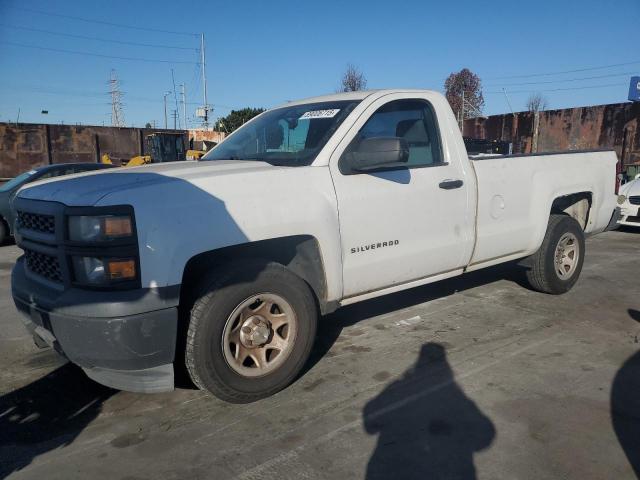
(117, 115)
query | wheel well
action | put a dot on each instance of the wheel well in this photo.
(299, 253)
(576, 205)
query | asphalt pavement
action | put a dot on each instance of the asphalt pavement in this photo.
(473, 377)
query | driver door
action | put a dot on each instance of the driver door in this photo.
(404, 223)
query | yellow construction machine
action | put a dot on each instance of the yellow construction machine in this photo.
(162, 147)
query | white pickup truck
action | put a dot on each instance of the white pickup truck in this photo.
(225, 265)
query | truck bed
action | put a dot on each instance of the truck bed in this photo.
(516, 194)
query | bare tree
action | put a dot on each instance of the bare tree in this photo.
(353, 80)
(537, 103)
(463, 90)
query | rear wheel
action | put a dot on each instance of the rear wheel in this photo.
(250, 331)
(556, 266)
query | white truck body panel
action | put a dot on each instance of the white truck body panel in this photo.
(515, 195)
(404, 206)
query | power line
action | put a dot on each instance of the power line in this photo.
(558, 89)
(586, 69)
(74, 93)
(101, 22)
(563, 80)
(91, 54)
(83, 37)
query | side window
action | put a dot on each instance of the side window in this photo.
(412, 120)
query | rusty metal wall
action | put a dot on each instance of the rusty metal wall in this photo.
(603, 126)
(26, 145)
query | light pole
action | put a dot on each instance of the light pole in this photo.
(165, 109)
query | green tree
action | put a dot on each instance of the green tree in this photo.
(237, 118)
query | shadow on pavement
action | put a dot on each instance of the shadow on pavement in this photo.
(330, 327)
(625, 405)
(427, 427)
(51, 412)
(626, 229)
(47, 414)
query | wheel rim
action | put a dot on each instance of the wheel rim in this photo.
(259, 334)
(567, 256)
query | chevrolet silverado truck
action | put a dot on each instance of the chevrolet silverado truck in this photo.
(224, 266)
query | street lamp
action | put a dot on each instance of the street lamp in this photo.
(165, 109)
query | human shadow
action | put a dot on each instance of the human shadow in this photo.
(625, 405)
(427, 427)
(47, 414)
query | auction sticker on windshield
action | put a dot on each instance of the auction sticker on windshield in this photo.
(320, 113)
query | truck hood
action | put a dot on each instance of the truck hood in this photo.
(86, 189)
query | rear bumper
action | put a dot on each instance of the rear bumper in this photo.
(125, 340)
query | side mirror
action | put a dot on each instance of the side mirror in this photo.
(375, 153)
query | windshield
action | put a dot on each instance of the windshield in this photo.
(289, 136)
(17, 181)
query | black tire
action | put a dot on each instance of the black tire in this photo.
(219, 295)
(541, 273)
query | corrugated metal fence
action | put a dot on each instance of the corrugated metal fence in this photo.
(24, 146)
(613, 126)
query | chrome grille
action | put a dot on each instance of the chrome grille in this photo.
(37, 222)
(634, 200)
(44, 265)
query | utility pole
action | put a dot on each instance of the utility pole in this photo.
(184, 106)
(117, 117)
(175, 118)
(204, 81)
(508, 102)
(165, 109)
(175, 94)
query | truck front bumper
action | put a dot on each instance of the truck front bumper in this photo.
(123, 339)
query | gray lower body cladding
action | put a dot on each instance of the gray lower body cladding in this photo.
(123, 339)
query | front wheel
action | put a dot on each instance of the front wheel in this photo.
(250, 331)
(556, 266)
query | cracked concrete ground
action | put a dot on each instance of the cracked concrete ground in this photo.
(474, 377)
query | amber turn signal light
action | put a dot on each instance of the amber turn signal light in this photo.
(121, 269)
(117, 227)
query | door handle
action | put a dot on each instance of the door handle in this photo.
(450, 184)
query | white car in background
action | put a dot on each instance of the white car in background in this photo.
(629, 202)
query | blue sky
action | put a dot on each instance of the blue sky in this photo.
(262, 53)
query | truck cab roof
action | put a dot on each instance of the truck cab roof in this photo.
(359, 95)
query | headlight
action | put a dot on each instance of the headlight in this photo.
(99, 228)
(103, 271)
(621, 199)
